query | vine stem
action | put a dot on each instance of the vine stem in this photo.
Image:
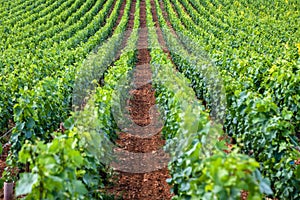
(8, 132)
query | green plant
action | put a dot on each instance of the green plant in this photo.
(54, 170)
(9, 174)
(72, 165)
(258, 115)
(199, 167)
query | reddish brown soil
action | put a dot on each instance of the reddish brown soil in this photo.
(121, 12)
(134, 144)
(244, 195)
(159, 32)
(133, 184)
(3, 157)
(165, 14)
(127, 33)
(143, 186)
(129, 25)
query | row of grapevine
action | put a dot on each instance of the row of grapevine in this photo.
(192, 139)
(232, 70)
(41, 11)
(36, 118)
(24, 14)
(10, 8)
(64, 17)
(60, 32)
(254, 42)
(263, 124)
(55, 60)
(81, 148)
(40, 109)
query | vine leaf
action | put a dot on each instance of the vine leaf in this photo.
(24, 185)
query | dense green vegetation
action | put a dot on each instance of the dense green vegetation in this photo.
(233, 72)
(261, 84)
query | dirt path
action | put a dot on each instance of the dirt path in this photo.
(144, 172)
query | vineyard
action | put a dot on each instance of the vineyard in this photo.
(150, 99)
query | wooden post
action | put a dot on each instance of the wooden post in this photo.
(8, 191)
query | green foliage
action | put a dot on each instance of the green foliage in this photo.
(9, 174)
(50, 69)
(45, 102)
(199, 166)
(54, 170)
(255, 48)
(260, 116)
(73, 165)
(221, 176)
